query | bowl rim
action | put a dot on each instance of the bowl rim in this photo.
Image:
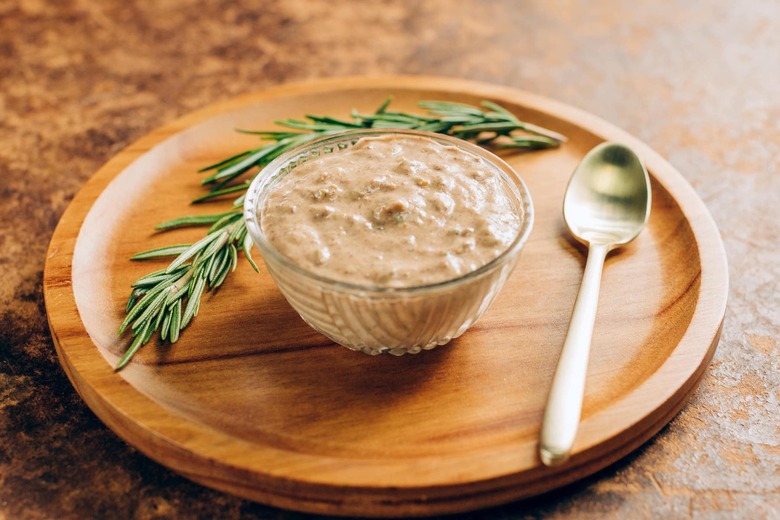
(269, 174)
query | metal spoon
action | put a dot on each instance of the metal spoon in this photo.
(606, 205)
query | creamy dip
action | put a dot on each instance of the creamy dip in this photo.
(393, 211)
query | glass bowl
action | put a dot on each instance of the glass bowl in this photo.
(371, 318)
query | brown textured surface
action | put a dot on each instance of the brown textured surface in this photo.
(80, 80)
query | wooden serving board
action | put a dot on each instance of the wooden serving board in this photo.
(253, 402)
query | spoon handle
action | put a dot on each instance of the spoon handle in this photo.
(564, 404)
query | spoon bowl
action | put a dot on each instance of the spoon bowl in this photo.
(608, 197)
(607, 204)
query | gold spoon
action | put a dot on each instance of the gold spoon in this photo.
(607, 204)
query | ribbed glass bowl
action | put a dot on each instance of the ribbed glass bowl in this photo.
(376, 319)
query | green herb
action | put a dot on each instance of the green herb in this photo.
(165, 301)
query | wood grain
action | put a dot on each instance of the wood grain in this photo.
(253, 402)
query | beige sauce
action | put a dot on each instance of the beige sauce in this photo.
(395, 211)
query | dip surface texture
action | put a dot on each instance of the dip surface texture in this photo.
(391, 211)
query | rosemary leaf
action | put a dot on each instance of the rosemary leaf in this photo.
(265, 134)
(239, 202)
(498, 109)
(233, 256)
(220, 258)
(165, 280)
(383, 107)
(151, 279)
(229, 160)
(219, 193)
(530, 143)
(333, 121)
(192, 251)
(208, 264)
(247, 248)
(161, 252)
(192, 303)
(175, 321)
(222, 272)
(194, 220)
(160, 318)
(474, 129)
(238, 228)
(243, 165)
(135, 294)
(449, 108)
(235, 169)
(146, 335)
(226, 220)
(138, 341)
(166, 325)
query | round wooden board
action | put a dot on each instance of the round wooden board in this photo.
(253, 402)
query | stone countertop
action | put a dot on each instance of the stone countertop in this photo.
(698, 82)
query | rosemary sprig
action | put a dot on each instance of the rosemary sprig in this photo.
(166, 301)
